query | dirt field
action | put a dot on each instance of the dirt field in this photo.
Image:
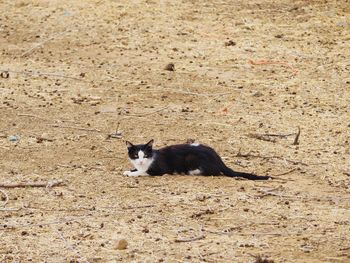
(75, 72)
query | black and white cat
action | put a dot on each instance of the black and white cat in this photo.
(192, 159)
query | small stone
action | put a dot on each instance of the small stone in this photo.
(121, 244)
(279, 36)
(94, 103)
(170, 67)
(5, 74)
(201, 198)
(342, 23)
(13, 138)
(258, 94)
(45, 136)
(230, 43)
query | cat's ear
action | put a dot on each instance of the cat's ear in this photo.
(150, 143)
(128, 144)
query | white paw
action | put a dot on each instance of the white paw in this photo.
(134, 174)
(127, 173)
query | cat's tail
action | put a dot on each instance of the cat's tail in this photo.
(229, 172)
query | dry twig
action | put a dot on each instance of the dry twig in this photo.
(32, 184)
(179, 240)
(248, 155)
(269, 62)
(10, 209)
(198, 94)
(6, 198)
(262, 137)
(272, 192)
(45, 74)
(270, 137)
(31, 115)
(296, 140)
(148, 113)
(43, 42)
(76, 128)
(117, 135)
(275, 135)
(288, 172)
(137, 207)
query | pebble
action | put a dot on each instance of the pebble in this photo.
(121, 244)
(13, 138)
(170, 67)
(342, 23)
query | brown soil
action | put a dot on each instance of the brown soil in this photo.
(80, 70)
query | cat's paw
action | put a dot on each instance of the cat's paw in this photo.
(127, 173)
(131, 173)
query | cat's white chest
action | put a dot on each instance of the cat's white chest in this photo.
(142, 164)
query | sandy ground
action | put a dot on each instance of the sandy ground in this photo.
(80, 70)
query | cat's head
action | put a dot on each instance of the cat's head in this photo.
(141, 154)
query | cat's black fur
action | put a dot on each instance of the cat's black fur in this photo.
(184, 158)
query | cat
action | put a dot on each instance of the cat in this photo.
(192, 159)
